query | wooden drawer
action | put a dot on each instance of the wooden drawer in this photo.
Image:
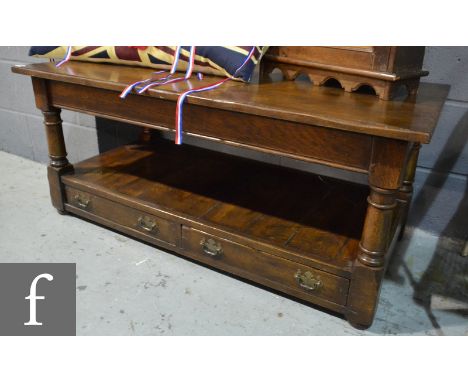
(290, 277)
(149, 225)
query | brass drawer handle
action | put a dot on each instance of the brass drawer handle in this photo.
(82, 201)
(148, 224)
(211, 248)
(308, 280)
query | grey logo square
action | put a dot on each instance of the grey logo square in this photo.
(37, 299)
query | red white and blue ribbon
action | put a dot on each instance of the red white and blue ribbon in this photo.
(66, 58)
(130, 87)
(168, 80)
(180, 102)
(181, 99)
(191, 64)
(176, 60)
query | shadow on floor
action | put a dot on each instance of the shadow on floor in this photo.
(444, 283)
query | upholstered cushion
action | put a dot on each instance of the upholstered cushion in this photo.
(217, 60)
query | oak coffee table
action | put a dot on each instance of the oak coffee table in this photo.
(321, 240)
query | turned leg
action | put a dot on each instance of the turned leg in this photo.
(55, 140)
(58, 163)
(385, 173)
(405, 193)
(369, 266)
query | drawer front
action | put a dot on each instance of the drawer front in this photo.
(267, 269)
(146, 224)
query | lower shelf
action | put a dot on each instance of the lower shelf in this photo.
(287, 229)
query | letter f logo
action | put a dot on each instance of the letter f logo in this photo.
(33, 297)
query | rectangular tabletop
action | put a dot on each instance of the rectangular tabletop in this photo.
(293, 101)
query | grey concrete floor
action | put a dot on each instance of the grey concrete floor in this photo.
(125, 287)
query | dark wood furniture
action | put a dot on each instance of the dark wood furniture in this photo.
(321, 240)
(384, 68)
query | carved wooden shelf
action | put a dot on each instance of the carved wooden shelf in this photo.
(383, 68)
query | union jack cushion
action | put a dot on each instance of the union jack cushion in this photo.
(217, 60)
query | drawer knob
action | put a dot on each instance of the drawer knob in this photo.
(308, 280)
(147, 224)
(211, 247)
(82, 201)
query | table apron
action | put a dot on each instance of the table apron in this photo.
(331, 147)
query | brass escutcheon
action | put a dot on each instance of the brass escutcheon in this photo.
(148, 224)
(308, 280)
(82, 201)
(211, 248)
